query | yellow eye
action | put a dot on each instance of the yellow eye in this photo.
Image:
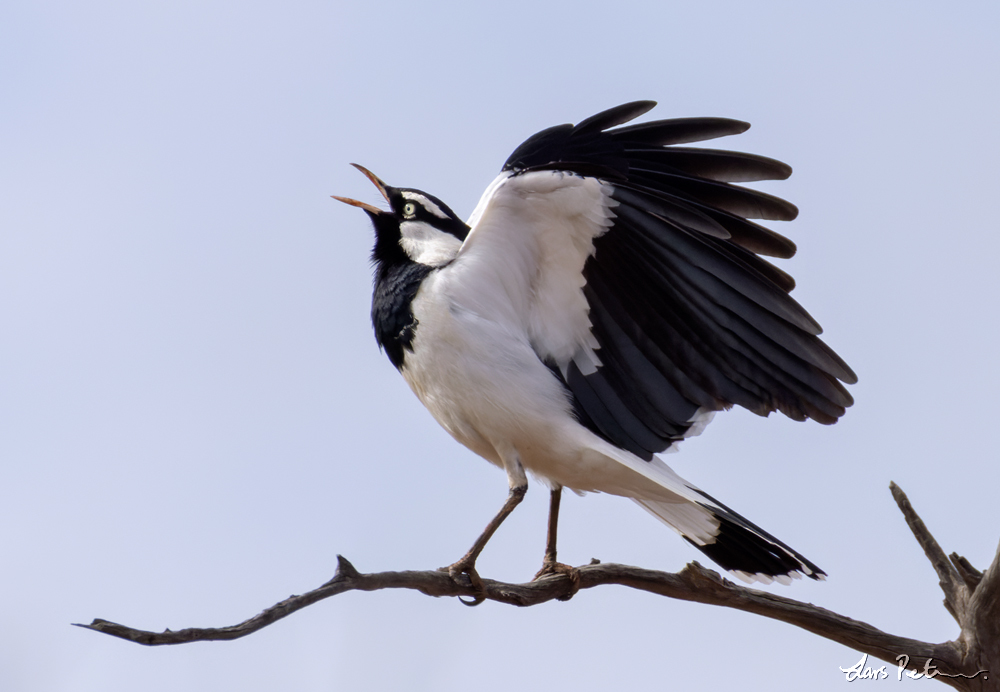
(409, 209)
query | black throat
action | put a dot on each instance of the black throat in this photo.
(396, 285)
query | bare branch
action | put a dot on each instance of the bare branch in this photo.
(984, 608)
(693, 583)
(956, 594)
(972, 597)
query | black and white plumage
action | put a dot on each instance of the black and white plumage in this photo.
(604, 300)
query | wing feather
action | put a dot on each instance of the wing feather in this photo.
(714, 164)
(680, 130)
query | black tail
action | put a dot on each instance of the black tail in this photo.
(752, 553)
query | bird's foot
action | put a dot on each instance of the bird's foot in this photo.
(467, 566)
(553, 567)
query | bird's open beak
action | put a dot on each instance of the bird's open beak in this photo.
(364, 205)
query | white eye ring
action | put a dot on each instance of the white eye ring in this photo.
(409, 209)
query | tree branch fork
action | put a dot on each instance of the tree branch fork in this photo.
(969, 662)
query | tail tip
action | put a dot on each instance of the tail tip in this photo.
(785, 578)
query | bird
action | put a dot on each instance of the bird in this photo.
(607, 296)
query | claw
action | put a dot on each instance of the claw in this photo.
(553, 567)
(468, 568)
(473, 603)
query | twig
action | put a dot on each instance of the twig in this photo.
(956, 594)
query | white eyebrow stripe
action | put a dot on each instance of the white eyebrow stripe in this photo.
(425, 203)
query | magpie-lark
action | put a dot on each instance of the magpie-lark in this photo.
(604, 300)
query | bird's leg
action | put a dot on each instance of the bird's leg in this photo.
(555, 498)
(467, 564)
(549, 564)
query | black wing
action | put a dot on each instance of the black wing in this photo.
(689, 317)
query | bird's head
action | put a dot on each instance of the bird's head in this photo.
(417, 227)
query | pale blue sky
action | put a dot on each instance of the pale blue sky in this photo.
(195, 419)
